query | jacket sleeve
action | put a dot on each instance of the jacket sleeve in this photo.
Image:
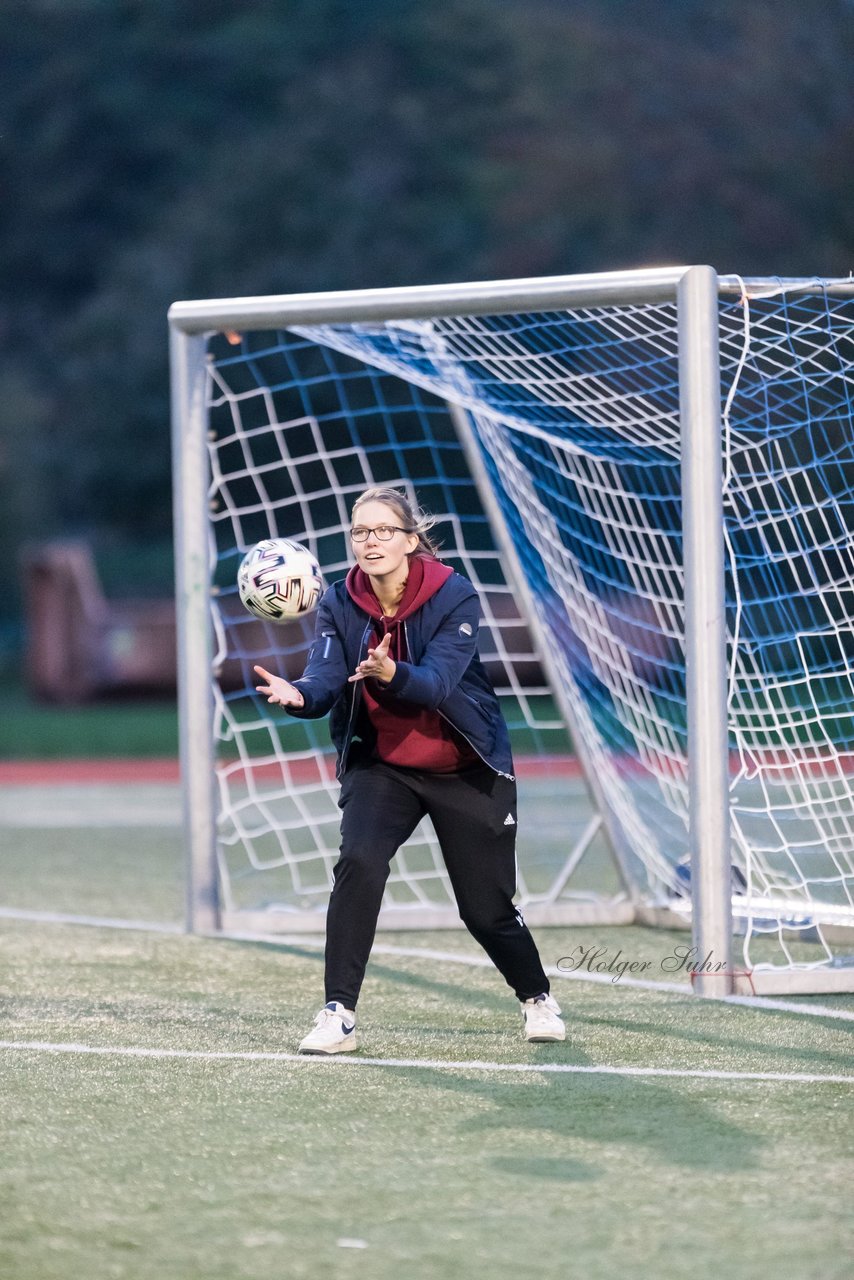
(326, 670)
(446, 657)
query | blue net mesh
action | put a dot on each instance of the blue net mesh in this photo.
(297, 431)
(575, 419)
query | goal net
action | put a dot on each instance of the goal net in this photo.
(297, 431)
(549, 444)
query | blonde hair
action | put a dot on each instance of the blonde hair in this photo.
(412, 518)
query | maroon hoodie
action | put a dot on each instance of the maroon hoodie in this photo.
(408, 735)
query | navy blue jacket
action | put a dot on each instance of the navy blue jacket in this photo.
(443, 670)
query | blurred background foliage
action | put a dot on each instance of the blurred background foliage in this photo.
(160, 149)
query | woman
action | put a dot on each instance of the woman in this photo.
(418, 731)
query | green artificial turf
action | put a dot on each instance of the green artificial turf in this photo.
(181, 1167)
(212, 1167)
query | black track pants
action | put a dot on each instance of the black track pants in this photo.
(381, 807)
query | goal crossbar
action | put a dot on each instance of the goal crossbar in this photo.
(477, 298)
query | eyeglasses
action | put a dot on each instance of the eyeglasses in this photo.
(384, 532)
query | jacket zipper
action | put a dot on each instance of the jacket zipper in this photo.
(349, 733)
(500, 772)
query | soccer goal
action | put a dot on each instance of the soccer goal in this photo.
(649, 476)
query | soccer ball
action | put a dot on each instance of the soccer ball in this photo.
(279, 579)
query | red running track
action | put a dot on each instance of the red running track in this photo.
(116, 771)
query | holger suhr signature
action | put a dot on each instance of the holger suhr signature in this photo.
(682, 959)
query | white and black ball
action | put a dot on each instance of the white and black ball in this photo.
(279, 579)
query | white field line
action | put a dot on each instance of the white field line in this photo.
(483, 962)
(107, 820)
(308, 941)
(64, 805)
(432, 1064)
(98, 922)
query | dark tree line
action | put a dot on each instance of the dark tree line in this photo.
(158, 149)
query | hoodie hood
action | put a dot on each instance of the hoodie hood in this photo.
(406, 734)
(426, 576)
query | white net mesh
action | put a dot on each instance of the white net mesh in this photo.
(297, 431)
(575, 416)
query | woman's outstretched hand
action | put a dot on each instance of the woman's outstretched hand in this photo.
(377, 664)
(278, 690)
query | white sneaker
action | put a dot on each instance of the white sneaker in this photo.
(542, 1019)
(334, 1031)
